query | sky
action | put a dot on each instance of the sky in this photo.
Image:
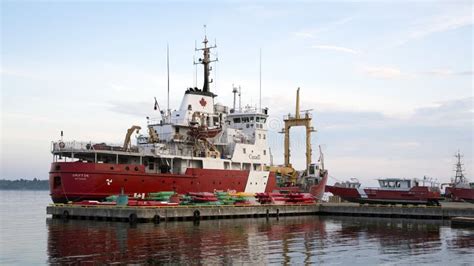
(390, 83)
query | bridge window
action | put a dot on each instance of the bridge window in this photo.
(237, 120)
(244, 150)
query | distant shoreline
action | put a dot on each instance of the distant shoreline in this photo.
(23, 184)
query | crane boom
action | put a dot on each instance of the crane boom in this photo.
(126, 142)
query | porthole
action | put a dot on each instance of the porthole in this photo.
(136, 168)
(127, 168)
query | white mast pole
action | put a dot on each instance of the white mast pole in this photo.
(168, 70)
(260, 87)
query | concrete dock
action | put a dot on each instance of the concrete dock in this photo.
(445, 211)
(173, 213)
(462, 222)
(157, 214)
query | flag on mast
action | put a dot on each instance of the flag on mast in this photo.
(156, 104)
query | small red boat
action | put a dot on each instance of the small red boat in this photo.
(460, 189)
(391, 191)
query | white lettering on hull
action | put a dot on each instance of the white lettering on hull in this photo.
(80, 177)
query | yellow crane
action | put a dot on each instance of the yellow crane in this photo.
(126, 142)
(287, 169)
(295, 121)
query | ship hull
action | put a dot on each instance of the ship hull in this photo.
(416, 195)
(318, 190)
(460, 194)
(75, 181)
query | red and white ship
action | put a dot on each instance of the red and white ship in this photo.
(460, 189)
(391, 191)
(201, 147)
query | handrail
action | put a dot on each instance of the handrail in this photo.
(85, 146)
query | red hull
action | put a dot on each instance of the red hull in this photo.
(460, 194)
(76, 181)
(416, 195)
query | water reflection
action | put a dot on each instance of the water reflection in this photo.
(217, 241)
(308, 239)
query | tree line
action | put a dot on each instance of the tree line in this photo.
(24, 184)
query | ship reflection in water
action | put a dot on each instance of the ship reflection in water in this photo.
(308, 239)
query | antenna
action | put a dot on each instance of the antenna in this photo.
(215, 67)
(168, 70)
(205, 61)
(195, 71)
(240, 99)
(260, 87)
(234, 91)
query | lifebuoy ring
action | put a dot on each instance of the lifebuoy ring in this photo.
(62, 145)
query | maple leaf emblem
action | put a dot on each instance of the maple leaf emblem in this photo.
(202, 102)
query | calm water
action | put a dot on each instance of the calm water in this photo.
(29, 237)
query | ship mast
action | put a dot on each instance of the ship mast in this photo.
(459, 178)
(205, 61)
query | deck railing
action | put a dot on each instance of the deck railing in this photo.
(71, 146)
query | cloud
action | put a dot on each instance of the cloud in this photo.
(429, 134)
(9, 72)
(335, 48)
(392, 72)
(304, 34)
(382, 72)
(440, 24)
(261, 11)
(310, 33)
(137, 109)
(448, 72)
(437, 24)
(448, 113)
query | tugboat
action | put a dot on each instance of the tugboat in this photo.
(203, 146)
(391, 191)
(460, 189)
